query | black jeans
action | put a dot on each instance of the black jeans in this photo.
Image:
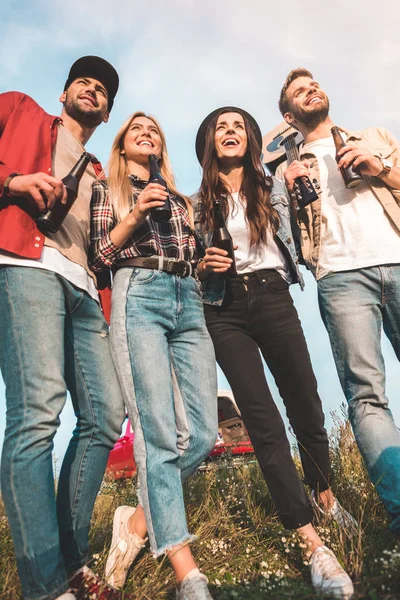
(258, 315)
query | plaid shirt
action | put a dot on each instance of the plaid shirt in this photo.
(173, 239)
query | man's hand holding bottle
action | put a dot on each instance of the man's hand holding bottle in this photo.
(39, 189)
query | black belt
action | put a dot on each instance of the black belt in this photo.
(182, 268)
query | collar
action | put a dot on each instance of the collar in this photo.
(351, 135)
(137, 182)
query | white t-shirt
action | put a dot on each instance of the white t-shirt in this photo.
(253, 258)
(53, 260)
(355, 231)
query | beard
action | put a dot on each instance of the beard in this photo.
(314, 117)
(89, 118)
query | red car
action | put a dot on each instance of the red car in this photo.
(232, 439)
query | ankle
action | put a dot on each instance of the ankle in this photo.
(311, 539)
(190, 574)
(325, 499)
(136, 523)
(312, 548)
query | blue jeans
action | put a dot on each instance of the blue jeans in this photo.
(166, 363)
(354, 306)
(53, 337)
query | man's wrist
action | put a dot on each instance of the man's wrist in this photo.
(6, 184)
(386, 167)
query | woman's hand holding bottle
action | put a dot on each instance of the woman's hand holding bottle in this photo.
(152, 196)
(215, 260)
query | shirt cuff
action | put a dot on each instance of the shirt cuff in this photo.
(108, 251)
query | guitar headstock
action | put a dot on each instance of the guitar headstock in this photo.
(274, 150)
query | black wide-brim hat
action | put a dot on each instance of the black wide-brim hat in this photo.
(201, 134)
(97, 68)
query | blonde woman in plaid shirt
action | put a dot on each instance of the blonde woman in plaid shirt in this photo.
(160, 346)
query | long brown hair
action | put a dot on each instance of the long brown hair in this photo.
(119, 186)
(255, 187)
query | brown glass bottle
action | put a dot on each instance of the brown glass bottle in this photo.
(221, 238)
(52, 220)
(350, 176)
(159, 213)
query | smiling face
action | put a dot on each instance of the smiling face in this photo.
(141, 139)
(230, 137)
(86, 101)
(308, 103)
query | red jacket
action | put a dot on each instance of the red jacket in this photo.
(27, 139)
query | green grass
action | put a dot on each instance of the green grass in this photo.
(242, 546)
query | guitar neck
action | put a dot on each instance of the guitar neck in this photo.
(292, 151)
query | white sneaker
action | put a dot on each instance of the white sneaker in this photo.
(66, 596)
(337, 513)
(193, 587)
(328, 577)
(125, 547)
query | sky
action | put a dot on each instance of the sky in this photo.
(181, 59)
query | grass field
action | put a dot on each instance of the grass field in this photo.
(242, 547)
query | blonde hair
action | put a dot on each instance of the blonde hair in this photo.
(119, 186)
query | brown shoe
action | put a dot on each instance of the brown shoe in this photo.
(86, 585)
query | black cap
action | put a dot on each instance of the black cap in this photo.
(98, 68)
(201, 134)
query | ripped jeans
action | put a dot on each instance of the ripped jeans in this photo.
(166, 364)
(53, 337)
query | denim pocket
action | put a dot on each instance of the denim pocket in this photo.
(140, 276)
(273, 281)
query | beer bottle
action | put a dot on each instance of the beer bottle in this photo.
(159, 213)
(350, 176)
(221, 238)
(52, 220)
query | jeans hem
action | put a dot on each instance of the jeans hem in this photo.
(297, 519)
(62, 589)
(72, 569)
(188, 539)
(319, 486)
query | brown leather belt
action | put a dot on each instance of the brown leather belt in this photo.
(182, 268)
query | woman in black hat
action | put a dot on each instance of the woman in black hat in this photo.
(253, 312)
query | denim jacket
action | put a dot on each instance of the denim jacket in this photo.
(213, 288)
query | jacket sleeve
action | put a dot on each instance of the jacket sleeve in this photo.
(198, 230)
(279, 183)
(395, 159)
(280, 170)
(102, 251)
(9, 101)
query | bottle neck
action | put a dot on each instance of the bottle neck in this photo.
(154, 166)
(337, 138)
(79, 168)
(218, 215)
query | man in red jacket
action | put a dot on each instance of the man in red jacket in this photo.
(53, 337)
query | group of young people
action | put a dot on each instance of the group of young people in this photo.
(174, 313)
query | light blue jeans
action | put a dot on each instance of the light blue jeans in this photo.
(53, 337)
(166, 364)
(354, 306)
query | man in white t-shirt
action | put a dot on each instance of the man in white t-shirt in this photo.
(53, 337)
(350, 240)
